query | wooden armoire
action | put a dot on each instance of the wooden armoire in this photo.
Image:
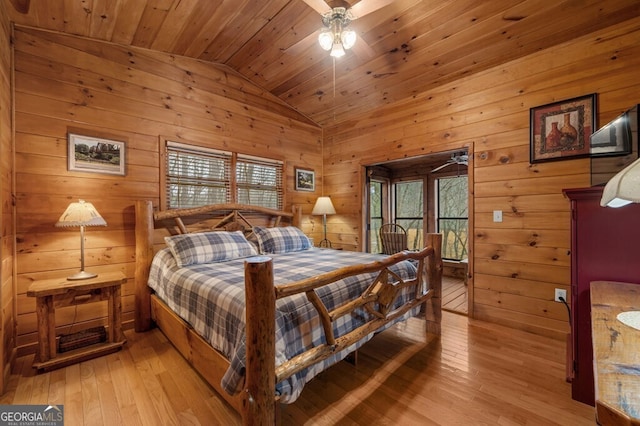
(605, 245)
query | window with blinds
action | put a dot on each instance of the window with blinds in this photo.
(259, 182)
(196, 176)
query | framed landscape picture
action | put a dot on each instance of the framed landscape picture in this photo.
(561, 130)
(305, 180)
(96, 155)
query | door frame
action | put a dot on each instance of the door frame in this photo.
(364, 231)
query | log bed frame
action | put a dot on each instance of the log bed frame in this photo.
(257, 403)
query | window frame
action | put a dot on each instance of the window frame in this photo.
(374, 244)
(231, 182)
(277, 188)
(416, 242)
(438, 218)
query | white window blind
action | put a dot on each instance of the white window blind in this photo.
(259, 182)
(198, 176)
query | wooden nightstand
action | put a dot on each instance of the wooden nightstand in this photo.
(60, 292)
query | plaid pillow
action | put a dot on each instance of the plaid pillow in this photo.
(281, 239)
(209, 247)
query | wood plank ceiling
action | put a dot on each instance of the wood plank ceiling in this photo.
(404, 48)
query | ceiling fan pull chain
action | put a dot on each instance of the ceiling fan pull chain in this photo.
(334, 89)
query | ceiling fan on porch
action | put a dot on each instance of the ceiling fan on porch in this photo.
(458, 159)
(335, 36)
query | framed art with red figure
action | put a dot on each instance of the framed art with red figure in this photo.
(561, 130)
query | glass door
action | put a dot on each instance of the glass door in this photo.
(408, 211)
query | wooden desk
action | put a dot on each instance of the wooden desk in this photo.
(60, 292)
(616, 353)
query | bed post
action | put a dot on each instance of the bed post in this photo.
(258, 405)
(433, 306)
(144, 255)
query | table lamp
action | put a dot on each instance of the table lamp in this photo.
(623, 188)
(81, 214)
(323, 207)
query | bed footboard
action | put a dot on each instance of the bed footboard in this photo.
(261, 372)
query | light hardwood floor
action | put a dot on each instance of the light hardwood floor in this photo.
(475, 374)
(454, 295)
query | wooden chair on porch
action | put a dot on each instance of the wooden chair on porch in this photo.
(393, 238)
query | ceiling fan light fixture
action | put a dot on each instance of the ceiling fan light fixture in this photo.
(337, 51)
(334, 36)
(325, 38)
(348, 38)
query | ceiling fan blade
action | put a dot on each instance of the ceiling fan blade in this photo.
(364, 7)
(318, 5)
(302, 45)
(441, 167)
(362, 50)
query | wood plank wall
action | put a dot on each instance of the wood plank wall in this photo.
(65, 82)
(69, 82)
(7, 237)
(519, 262)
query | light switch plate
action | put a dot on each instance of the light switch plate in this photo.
(497, 215)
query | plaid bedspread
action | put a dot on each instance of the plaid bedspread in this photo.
(210, 297)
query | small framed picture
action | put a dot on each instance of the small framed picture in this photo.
(612, 139)
(305, 180)
(561, 130)
(96, 155)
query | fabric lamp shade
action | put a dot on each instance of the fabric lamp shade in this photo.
(81, 214)
(623, 188)
(323, 206)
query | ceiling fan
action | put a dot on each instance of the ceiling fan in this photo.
(459, 159)
(358, 10)
(336, 16)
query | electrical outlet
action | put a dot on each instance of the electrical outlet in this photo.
(560, 292)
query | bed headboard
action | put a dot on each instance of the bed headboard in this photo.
(152, 226)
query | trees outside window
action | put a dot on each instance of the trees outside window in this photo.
(409, 211)
(196, 176)
(453, 216)
(375, 215)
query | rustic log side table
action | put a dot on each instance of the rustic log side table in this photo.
(60, 292)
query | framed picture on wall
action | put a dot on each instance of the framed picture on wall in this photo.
(561, 130)
(614, 138)
(305, 180)
(96, 155)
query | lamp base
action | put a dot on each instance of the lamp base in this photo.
(82, 275)
(325, 243)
